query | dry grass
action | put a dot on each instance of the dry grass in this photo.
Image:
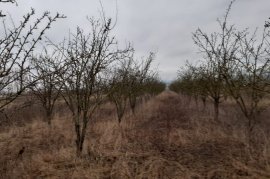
(169, 137)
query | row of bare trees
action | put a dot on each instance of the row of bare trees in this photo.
(131, 82)
(236, 65)
(88, 70)
(85, 70)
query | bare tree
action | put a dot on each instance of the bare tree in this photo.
(218, 49)
(119, 91)
(47, 86)
(87, 58)
(247, 76)
(137, 78)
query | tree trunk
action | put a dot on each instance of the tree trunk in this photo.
(216, 108)
(251, 122)
(80, 133)
(49, 117)
(132, 101)
(79, 147)
(120, 108)
(120, 115)
(78, 139)
(204, 103)
(250, 129)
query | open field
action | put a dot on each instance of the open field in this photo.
(180, 90)
(168, 137)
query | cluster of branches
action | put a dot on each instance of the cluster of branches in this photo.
(16, 47)
(236, 64)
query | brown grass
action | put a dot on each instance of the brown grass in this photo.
(169, 137)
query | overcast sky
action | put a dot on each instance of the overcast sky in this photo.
(162, 26)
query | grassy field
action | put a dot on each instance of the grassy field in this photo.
(170, 136)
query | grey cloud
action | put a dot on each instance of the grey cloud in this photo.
(165, 26)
